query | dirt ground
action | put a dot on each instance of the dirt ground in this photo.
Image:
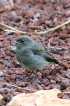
(31, 15)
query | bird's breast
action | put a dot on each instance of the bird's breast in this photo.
(31, 62)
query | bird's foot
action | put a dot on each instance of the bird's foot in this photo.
(33, 80)
(29, 75)
(34, 77)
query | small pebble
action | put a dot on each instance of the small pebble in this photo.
(66, 81)
(5, 62)
(1, 74)
(13, 43)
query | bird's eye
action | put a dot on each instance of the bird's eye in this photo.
(22, 41)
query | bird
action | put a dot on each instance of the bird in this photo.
(32, 55)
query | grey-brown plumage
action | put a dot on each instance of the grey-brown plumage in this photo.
(32, 55)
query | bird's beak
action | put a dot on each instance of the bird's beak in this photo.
(17, 43)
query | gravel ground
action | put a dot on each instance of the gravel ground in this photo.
(31, 15)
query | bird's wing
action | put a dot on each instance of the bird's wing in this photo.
(38, 49)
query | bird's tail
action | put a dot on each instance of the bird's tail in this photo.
(51, 59)
(60, 63)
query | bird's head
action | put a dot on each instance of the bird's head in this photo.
(23, 41)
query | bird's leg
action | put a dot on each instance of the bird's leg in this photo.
(34, 77)
(29, 75)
